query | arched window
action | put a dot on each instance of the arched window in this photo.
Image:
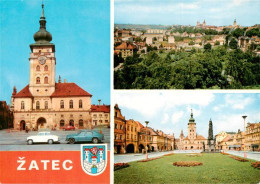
(80, 104)
(71, 104)
(62, 104)
(22, 105)
(37, 105)
(45, 80)
(46, 104)
(62, 123)
(81, 123)
(37, 68)
(38, 80)
(46, 68)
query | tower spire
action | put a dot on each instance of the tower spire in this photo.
(42, 10)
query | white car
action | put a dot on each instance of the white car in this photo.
(43, 137)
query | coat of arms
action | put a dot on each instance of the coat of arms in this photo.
(94, 158)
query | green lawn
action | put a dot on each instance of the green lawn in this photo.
(216, 168)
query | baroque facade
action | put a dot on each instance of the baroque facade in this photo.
(192, 141)
(131, 136)
(43, 103)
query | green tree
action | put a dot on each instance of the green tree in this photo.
(233, 43)
(207, 47)
(238, 32)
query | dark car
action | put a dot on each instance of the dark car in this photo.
(85, 136)
(69, 128)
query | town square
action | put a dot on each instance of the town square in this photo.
(220, 131)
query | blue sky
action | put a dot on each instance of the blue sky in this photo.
(168, 12)
(170, 110)
(80, 31)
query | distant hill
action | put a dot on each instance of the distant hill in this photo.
(142, 27)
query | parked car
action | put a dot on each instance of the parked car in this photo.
(69, 127)
(43, 137)
(85, 136)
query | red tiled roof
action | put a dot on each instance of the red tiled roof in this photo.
(200, 137)
(68, 90)
(100, 108)
(124, 45)
(24, 93)
(142, 126)
(61, 90)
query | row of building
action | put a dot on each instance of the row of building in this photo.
(128, 41)
(131, 136)
(248, 140)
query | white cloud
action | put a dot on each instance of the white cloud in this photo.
(233, 122)
(151, 103)
(165, 118)
(237, 101)
(177, 116)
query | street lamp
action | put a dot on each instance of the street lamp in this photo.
(244, 117)
(146, 122)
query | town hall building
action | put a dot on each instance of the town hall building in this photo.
(44, 103)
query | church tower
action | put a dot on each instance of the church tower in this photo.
(191, 127)
(42, 62)
(204, 23)
(235, 23)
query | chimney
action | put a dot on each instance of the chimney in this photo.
(59, 79)
(65, 81)
(99, 101)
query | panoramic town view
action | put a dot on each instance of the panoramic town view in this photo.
(191, 45)
(163, 135)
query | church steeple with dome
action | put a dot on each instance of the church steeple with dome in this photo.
(42, 61)
(192, 127)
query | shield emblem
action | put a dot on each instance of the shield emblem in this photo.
(93, 158)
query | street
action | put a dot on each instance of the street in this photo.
(250, 154)
(131, 157)
(16, 141)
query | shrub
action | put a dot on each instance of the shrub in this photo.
(256, 165)
(238, 158)
(118, 166)
(169, 154)
(149, 159)
(224, 153)
(187, 163)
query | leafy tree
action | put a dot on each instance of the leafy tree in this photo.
(233, 43)
(253, 32)
(217, 43)
(117, 60)
(207, 47)
(191, 43)
(238, 32)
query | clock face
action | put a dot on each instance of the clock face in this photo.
(42, 60)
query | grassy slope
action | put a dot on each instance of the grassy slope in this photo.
(216, 168)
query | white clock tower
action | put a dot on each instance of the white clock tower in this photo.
(42, 62)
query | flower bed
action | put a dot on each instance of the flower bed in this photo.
(149, 159)
(256, 165)
(187, 163)
(224, 153)
(169, 154)
(118, 166)
(238, 158)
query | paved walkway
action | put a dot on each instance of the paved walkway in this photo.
(131, 157)
(14, 141)
(250, 154)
